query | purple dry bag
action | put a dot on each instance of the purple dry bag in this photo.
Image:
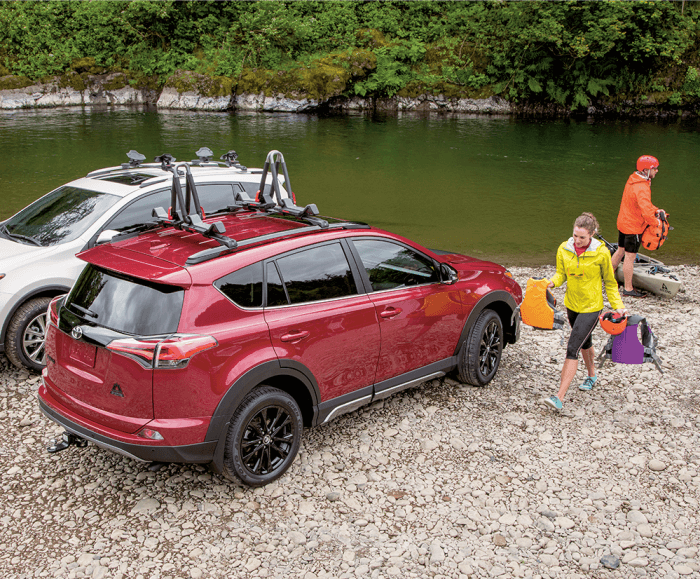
(626, 348)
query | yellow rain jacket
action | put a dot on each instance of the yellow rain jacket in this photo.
(584, 276)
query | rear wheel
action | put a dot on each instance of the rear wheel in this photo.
(24, 342)
(480, 353)
(264, 436)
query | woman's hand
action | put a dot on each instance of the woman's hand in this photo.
(550, 284)
(622, 311)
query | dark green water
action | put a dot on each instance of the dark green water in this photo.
(494, 187)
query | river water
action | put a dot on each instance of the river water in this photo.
(494, 187)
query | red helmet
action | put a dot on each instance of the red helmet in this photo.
(613, 323)
(647, 162)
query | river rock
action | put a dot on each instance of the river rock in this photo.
(610, 561)
(657, 465)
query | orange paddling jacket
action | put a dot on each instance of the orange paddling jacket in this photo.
(636, 209)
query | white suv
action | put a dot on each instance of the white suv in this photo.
(38, 245)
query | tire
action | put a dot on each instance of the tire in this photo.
(480, 354)
(26, 332)
(264, 437)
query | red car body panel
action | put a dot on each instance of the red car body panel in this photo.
(419, 325)
(338, 340)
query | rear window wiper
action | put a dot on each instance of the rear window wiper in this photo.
(83, 310)
(20, 237)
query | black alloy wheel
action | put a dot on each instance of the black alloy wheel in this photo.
(480, 354)
(264, 436)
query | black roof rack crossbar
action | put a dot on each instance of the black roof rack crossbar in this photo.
(213, 252)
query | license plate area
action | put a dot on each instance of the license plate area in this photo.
(83, 353)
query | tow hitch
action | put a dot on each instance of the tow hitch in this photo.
(67, 439)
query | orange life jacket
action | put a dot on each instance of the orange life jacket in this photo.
(653, 237)
(538, 307)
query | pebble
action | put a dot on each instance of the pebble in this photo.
(444, 481)
(657, 465)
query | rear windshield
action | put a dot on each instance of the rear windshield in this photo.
(61, 216)
(124, 304)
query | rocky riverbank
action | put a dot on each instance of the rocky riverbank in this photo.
(190, 91)
(443, 481)
(114, 90)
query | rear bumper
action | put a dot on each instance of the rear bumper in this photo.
(191, 453)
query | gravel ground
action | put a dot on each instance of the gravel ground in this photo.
(443, 481)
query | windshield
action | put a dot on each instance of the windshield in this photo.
(59, 217)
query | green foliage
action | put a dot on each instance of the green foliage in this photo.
(569, 53)
(691, 86)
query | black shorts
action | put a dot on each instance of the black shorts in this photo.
(582, 326)
(630, 241)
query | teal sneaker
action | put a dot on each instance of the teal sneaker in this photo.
(588, 383)
(554, 403)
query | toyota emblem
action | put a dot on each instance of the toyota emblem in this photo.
(77, 332)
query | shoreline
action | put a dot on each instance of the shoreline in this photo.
(113, 90)
(443, 480)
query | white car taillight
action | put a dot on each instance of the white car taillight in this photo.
(172, 352)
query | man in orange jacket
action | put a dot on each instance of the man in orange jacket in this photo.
(636, 212)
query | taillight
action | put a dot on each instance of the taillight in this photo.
(294, 198)
(53, 310)
(172, 352)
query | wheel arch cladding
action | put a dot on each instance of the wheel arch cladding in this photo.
(286, 375)
(503, 304)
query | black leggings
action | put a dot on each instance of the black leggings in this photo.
(582, 326)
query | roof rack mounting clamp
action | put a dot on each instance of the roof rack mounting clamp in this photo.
(135, 159)
(204, 155)
(166, 160)
(231, 160)
(159, 213)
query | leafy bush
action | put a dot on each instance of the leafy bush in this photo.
(569, 53)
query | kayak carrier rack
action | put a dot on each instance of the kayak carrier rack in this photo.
(185, 212)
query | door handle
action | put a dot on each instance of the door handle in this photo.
(295, 336)
(390, 313)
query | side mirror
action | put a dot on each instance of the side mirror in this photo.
(106, 236)
(448, 275)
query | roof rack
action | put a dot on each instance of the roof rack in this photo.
(186, 211)
(164, 161)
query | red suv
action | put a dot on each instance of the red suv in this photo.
(216, 340)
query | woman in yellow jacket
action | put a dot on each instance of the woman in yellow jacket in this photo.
(584, 264)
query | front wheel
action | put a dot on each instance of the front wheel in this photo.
(480, 353)
(264, 436)
(26, 332)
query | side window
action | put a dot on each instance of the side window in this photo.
(215, 197)
(243, 287)
(319, 273)
(140, 210)
(390, 265)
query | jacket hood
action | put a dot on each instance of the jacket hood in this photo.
(592, 248)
